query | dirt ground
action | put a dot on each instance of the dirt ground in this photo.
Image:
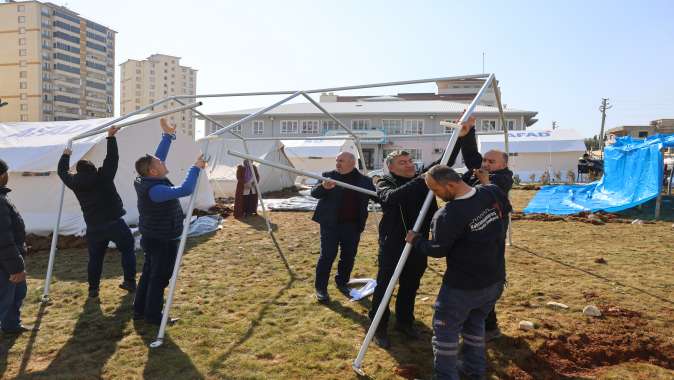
(248, 312)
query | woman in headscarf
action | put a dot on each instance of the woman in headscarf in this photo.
(245, 201)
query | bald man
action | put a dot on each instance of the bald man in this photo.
(341, 214)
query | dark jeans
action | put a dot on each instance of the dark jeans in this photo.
(410, 278)
(160, 257)
(491, 323)
(98, 238)
(345, 237)
(462, 312)
(11, 298)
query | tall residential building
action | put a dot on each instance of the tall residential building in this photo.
(54, 64)
(157, 77)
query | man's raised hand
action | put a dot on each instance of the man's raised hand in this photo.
(467, 125)
(112, 131)
(167, 127)
(201, 163)
(328, 185)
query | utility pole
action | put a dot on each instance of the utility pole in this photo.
(602, 108)
(554, 125)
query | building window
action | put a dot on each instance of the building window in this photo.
(22, 19)
(289, 126)
(22, 41)
(511, 124)
(329, 125)
(414, 127)
(487, 125)
(24, 107)
(360, 124)
(22, 52)
(237, 129)
(392, 126)
(23, 74)
(20, 8)
(258, 127)
(310, 127)
(23, 85)
(643, 134)
(24, 117)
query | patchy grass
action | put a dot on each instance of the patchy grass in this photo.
(243, 316)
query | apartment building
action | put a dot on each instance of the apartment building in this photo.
(158, 76)
(54, 64)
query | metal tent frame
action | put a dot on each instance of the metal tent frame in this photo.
(182, 100)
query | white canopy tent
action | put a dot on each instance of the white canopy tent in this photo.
(32, 151)
(535, 152)
(317, 156)
(222, 170)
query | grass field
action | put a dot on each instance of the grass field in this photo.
(245, 316)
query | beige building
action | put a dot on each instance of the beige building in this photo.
(54, 64)
(157, 77)
(660, 126)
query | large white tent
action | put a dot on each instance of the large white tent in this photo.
(222, 173)
(32, 151)
(317, 156)
(534, 152)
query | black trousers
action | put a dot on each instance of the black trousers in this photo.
(409, 282)
(160, 258)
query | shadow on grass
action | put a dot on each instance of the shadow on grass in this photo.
(71, 265)
(25, 358)
(92, 343)
(6, 344)
(513, 358)
(595, 275)
(647, 210)
(258, 223)
(167, 361)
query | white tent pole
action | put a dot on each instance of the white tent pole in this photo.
(497, 93)
(383, 305)
(343, 88)
(138, 121)
(253, 115)
(54, 240)
(349, 131)
(179, 258)
(301, 172)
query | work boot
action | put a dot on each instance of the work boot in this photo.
(322, 296)
(128, 285)
(408, 330)
(344, 290)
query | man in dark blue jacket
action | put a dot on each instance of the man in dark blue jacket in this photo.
(161, 223)
(103, 210)
(342, 214)
(470, 232)
(13, 286)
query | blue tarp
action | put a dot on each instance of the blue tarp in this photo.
(633, 174)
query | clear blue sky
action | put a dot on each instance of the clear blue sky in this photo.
(557, 58)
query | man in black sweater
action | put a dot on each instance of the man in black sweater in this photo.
(402, 194)
(469, 231)
(103, 210)
(13, 286)
(342, 214)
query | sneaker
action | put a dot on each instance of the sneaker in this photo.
(128, 285)
(344, 290)
(490, 335)
(20, 330)
(322, 296)
(408, 330)
(93, 293)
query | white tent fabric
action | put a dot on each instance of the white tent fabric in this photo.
(534, 152)
(317, 156)
(222, 173)
(32, 151)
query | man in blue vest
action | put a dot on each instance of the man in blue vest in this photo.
(160, 223)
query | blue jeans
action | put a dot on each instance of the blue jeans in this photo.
(11, 298)
(461, 312)
(98, 238)
(160, 257)
(346, 237)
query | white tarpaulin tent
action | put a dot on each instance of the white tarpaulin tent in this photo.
(32, 151)
(222, 173)
(535, 152)
(317, 156)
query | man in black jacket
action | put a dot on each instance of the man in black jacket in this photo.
(342, 214)
(103, 210)
(402, 194)
(469, 231)
(13, 286)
